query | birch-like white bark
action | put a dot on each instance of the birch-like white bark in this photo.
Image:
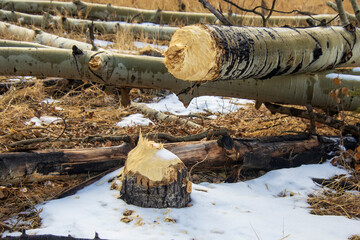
(150, 72)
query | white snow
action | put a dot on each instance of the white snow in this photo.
(172, 104)
(134, 119)
(344, 76)
(43, 120)
(156, 46)
(166, 155)
(103, 43)
(246, 210)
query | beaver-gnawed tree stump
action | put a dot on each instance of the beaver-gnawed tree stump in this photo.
(154, 177)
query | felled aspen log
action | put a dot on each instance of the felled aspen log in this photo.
(154, 177)
(210, 52)
(131, 71)
(109, 12)
(46, 20)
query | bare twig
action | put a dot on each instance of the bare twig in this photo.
(343, 17)
(335, 8)
(356, 9)
(193, 166)
(217, 13)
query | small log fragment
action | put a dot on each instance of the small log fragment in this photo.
(210, 52)
(155, 177)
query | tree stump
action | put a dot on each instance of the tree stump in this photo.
(154, 177)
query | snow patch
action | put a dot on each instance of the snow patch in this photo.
(43, 120)
(133, 120)
(344, 76)
(241, 210)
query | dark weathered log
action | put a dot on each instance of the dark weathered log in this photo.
(210, 52)
(25, 236)
(258, 153)
(154, 177)
(68, 161)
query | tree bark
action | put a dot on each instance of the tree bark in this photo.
(209, 52)
(154, 177)
(42, 37)
(256, 153)
(130, 71)
(46, 20)
(115, 13)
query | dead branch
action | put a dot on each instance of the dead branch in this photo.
(335, 8)
(24, 236)
(327, 120)
(356, 9)
(152, 113)
(265, 153)
(217, 14)
(341, 10)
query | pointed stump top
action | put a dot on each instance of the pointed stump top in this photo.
(154, 177)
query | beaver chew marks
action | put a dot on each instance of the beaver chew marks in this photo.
(193, 54)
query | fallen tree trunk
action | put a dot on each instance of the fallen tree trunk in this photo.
(42, 37)
(209, 52)
(46, 20)
(266, 153)
(120, 70)
(115, 13)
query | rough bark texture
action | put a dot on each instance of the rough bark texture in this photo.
(130, 71)
(46, 20)
(42, 37)
(115, 13)
(264, 153)
(224, 53)
(162, 196)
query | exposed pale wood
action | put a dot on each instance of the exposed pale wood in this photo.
(210, 52)
(154, 177)
(130, 71)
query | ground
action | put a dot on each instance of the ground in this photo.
(83, 109)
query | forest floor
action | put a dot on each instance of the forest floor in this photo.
(76, 110)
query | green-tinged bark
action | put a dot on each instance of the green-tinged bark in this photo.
(11, 43)
(150, 72)
(116, 13)
(210, 52)
(46, 20)
(41, 37)
(351, 17)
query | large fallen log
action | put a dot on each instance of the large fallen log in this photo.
(120, 70)
(266, 153)
(116, 13)
(210, 52)
(46, 20)
(41, 37)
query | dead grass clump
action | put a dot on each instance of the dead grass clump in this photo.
(27, 95)
(337, 203)
(355, 237)
(90, 97)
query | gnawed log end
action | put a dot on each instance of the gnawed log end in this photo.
(193, 54)
(155, 177)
